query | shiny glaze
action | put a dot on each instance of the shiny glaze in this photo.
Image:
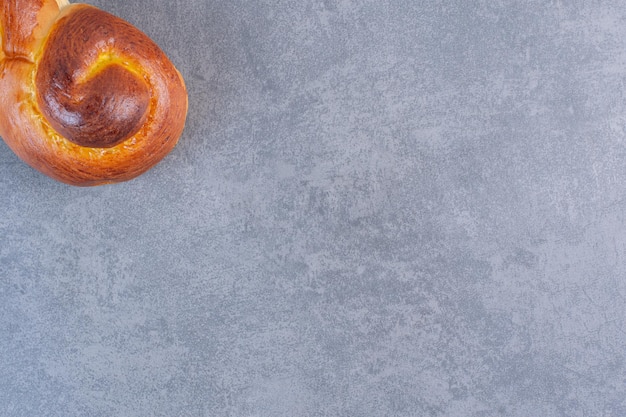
(88, 94)
(85, 97)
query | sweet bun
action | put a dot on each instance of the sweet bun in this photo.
(85, 97)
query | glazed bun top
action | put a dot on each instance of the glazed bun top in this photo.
(85, 97)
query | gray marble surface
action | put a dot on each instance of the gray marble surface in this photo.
(377, 208)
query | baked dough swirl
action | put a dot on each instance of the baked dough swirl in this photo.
(85, 97)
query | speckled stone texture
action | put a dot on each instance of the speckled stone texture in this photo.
(378, 208)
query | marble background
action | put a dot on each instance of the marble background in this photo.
(377, 208)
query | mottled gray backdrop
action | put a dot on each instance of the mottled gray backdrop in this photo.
(377, 208)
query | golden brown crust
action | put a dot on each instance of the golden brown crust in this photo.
(85, 97)
(24, 25)
(88, 93)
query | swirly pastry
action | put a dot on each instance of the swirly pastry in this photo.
(85, 97)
